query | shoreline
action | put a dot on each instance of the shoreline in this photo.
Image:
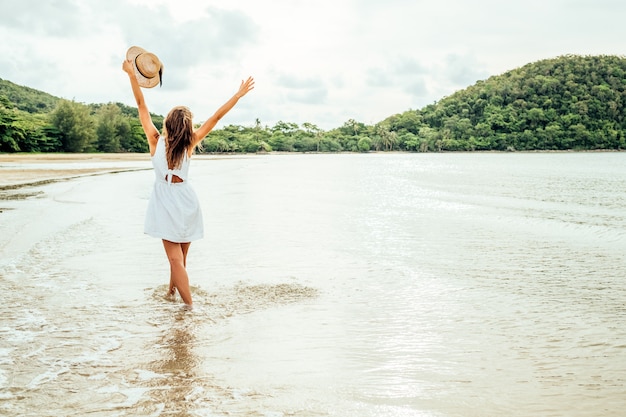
(23, 170)
(33, 178)
(22, 157)
(19, 170)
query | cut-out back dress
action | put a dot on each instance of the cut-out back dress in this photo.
(173, 212)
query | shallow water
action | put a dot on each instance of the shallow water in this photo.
(326, 285)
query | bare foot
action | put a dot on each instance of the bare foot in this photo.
(171, 294)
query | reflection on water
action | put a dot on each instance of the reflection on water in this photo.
(172, 377)
(327, 285)
(175, 384)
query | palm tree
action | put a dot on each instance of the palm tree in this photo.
(388, 138)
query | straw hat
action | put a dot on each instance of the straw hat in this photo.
(148, 67)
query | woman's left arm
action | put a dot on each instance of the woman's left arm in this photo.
(210, 123)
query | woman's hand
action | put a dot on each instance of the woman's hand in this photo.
(245, 87)
(128, 67)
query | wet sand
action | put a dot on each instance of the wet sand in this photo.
(20, 170)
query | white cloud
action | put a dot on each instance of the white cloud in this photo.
(463, 70)
(320, 61)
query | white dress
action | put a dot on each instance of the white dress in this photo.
(173, 212)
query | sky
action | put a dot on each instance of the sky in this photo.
(317, 61)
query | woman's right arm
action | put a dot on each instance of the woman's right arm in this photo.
(152, 134)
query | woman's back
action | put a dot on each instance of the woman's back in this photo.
(162, 171)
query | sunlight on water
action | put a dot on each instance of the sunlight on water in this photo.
(326, 285)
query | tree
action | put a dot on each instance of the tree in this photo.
(75, 125)
(284, 128)
(386, 139)
(10, 134)
(214, 144)
(315, 132)
(282, 143)
(35, 134)
(364, 144)
(409, 141)
(409, 121)
(112, 129)
(135, 140)
(536, 116)
(352, 128)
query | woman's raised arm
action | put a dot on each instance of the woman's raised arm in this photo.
(210, 123)
(152, 134)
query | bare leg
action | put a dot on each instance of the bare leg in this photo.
(185, 248)
(178, 273)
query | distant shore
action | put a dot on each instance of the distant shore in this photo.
(23, 169)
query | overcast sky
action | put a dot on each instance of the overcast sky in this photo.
(316, 61)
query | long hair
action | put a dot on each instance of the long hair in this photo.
(178, 135)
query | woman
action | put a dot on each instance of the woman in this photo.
(173, 213)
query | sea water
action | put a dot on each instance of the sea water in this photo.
(326, 285)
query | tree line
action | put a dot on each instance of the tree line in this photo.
(115, 127)
(569, 102)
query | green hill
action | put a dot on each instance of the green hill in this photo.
(570, 102)
(27, 99)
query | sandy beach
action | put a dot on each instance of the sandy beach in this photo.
(19, 170)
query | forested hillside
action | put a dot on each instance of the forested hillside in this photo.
(27, 99)
(569, 102)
